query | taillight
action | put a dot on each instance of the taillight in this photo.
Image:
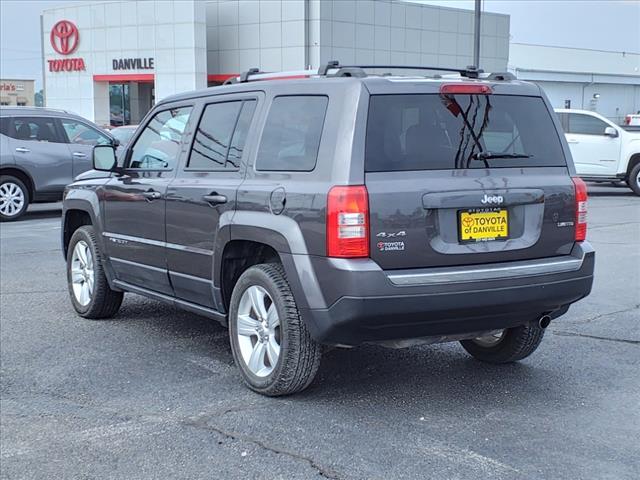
(581, 208)
(348, 222)
(465, 88)
(627, 120)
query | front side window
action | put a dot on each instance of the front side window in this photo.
(586, 124)
(82, 134)
(442, 132)
(37, 129)
(158, 146)
(292, 133)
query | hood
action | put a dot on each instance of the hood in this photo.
(92, 174)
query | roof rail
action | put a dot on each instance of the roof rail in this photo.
(254, 74)
(326, 70)
(469, 72)
(33, 107)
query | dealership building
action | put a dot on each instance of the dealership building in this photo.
(111, 61)
(603, 81)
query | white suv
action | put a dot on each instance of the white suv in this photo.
(602, 151)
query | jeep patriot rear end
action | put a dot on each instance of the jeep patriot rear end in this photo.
(340, 208)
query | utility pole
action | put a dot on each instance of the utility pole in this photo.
(476, 37)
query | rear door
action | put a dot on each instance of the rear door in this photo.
(39, 147)
(204, 193)
(466, 178)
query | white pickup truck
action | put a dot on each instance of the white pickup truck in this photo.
(602, 151)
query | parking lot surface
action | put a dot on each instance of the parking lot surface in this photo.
(153, 393)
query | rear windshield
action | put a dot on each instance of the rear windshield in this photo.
(443, 132)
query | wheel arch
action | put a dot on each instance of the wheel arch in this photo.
(633, 161)
(266, 238)
(23, 176)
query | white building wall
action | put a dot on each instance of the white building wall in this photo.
(279, 35)
(173, 32)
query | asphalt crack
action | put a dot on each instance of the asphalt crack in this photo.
(596, 337)
(203, 425)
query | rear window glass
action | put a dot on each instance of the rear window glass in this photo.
(291, 136)
(437, 132)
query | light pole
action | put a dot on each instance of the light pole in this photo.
(476, 37)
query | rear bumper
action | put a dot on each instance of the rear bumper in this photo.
(363, 303)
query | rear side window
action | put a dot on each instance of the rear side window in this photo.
(437, 132)
(292, 133)
(220, 137)
(585, 124)
(36, 129)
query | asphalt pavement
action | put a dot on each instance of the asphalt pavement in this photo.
(153, 393)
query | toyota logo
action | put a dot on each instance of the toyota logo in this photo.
(64, 37)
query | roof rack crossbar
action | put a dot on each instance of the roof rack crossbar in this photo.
(469, 72)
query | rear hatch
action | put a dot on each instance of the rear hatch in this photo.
(465, 177)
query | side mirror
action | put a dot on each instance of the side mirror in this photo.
(104, 158)
(611, 132)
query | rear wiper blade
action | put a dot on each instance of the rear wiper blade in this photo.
(490, 155)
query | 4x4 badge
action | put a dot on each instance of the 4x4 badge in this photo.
(401, 233)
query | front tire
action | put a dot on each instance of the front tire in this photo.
(89, 290)
(634, 179)
(270, 342)
(510, 345)
(14, 198)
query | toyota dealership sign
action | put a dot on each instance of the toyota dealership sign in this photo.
(65, 39)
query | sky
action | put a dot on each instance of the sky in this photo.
(595, 24)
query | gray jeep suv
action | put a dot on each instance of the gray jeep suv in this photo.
(340, 208)
(41, 151)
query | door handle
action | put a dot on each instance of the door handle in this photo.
(22, 150)
(215, 199)
(151, 195)
(79, 155)
(572, 140)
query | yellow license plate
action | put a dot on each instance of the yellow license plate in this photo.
(484, 225)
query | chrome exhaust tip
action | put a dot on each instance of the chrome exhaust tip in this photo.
(544, 321)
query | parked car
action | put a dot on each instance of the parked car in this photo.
(340, 209)
(41, 151)
(602, 151)
(632, 120)
(123, 134)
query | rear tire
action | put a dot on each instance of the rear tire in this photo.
(14, 198)
(515, 344)
(634, 179)
(89, 290)
(270, 342)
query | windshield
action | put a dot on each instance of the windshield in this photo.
(436, 132)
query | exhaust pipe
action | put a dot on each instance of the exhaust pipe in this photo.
(544, 321)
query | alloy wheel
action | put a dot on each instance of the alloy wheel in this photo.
(258, 331)
(12, 199)
(82, 274)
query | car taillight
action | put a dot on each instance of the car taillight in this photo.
(348, 222)
(627, 120)
(581, 208)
